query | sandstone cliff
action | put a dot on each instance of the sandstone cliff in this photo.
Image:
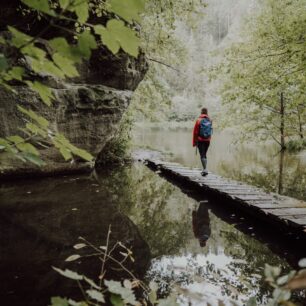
(87, 110)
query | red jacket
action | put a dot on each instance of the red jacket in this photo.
(196, 138)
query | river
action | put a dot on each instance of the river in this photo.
(159, 221)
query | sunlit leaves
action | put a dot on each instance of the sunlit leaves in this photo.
(68, 273)
(58, 301)
(66, 65)
(40, 5)
(73, 257)
(96, 295)
(15, 73)
(128, 9)
(81, 10)
(86, 43)
(20, 148)
(116, 35)
(18, 38)
(41, 121)
(67, 149)
(57, 58)
(44, 91)
(126, 294)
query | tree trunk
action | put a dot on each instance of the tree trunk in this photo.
(300, 124)
(282, 123)
(281, 174)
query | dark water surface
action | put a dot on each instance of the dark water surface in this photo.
(164, 225)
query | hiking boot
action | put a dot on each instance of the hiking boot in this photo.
(204, 172)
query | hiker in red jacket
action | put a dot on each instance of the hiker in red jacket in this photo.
(202, 132)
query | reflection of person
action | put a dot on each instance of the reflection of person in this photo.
(202, 132)
(200, 224)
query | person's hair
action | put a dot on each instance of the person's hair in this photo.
(204, 111)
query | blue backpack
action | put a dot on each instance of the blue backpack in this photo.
(205, 128)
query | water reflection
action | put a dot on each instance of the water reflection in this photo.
(261, 164)
(201, 224)
(165, 228)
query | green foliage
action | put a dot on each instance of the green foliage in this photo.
(269, 60)
(57, 58)
(296, 145)
(116, 35)
(128, 10)
(167, 55)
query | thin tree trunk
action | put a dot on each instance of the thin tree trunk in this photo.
(282, 123)
(281, 174)
(300, 124)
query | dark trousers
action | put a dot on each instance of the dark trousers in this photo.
(203, 147)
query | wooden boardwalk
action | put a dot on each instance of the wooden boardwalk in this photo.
(277, 209)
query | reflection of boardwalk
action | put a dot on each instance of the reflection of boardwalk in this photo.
(275, 208)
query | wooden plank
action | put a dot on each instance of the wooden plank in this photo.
(283, 209)
(271, 206)
(300, 221)
(260, 197)
(286, 211)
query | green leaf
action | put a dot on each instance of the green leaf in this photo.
(39, 119)
(47, 67)
(44, 91)
(81, 10)
(79, 246)
(83, 154)
(15, 73)
(74, 303)
(65, 153)
(40, 5)
(69, 274)
(73, 257)
(116, 33)
(91, 283)
(64, 3)
(3, 62)
(36, 130)
(33, 159)
(15, 139)
(58, 301)
(60, 45)
(34, 52)
(116, 300)
(126, 294)
(4, 143)
(18, 38)
(107, 39)
(65, 64)
(96, 295)
(128, 9)
(86, 43)
(27, 148)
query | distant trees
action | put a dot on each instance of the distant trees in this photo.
(264, 90)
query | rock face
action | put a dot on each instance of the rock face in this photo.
(87, 110)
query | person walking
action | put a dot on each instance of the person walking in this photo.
(202, 132)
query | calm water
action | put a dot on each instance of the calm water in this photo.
(256, 163)
(163, 224)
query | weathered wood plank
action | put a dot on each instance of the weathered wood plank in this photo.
(280, 209)
(286, 211)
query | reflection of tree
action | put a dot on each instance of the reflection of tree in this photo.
(275, 172)
(241, 275)
(156, 206)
